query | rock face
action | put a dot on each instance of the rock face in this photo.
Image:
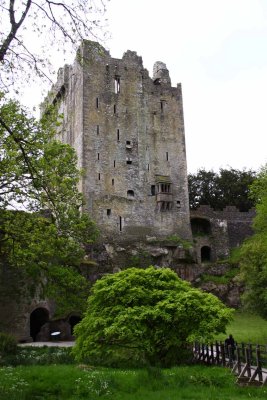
(128, 131)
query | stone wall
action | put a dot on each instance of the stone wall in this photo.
(227, 229)
(128, 131)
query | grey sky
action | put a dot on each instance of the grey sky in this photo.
(217, 49)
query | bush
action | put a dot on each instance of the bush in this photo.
(8, 344)
(146, 317)
(39, 356)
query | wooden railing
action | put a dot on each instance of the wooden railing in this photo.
(247, 361)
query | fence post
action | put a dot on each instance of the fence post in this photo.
(217, 352)
(203, 351)
(223, 353)
(230, 355)
(259, 364)
(238, 361)
(243, 351)
(207, 354)
(248, 365)
(211, 353)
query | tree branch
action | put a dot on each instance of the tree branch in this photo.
(14, 27)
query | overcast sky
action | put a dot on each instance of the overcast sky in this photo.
(217, 49)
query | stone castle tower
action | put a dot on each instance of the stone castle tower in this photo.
(128, 131)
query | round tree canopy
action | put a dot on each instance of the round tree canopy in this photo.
(148, 315)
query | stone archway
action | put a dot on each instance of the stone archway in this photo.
(38, 318)
(73, 320)
(205, 253)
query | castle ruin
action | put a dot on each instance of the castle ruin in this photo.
(128, 132)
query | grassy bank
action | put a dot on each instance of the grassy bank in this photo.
(81, 382)
(247, 328)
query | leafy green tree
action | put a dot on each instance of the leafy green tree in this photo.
(146, 316)
(253, 253)
(55, 25)
(42, 230)
(227, 187)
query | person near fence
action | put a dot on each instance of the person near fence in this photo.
(230, 346)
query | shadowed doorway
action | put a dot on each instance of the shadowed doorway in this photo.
(73, 320)
(38, 318)
(205, 253)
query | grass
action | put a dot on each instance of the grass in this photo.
(74, 382)
(51, 374)
(247, 328)
(221, 279)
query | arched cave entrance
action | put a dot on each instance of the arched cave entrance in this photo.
(205, 253)
(73, 320)
(38, 318)
(200, 227)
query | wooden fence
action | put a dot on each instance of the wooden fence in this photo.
(247, 361)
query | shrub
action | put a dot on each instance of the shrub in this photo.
(8, 344)
(146, 317)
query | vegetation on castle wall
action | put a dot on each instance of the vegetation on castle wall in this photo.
(223, 279)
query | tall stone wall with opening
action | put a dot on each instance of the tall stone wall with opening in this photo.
(128, 131)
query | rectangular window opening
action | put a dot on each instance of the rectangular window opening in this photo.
(117, 82)
(128, 161)
(114, 109)
(114, 163)
(148, 167)
(97, 129)
(120, 223)
(112, 181)
(98, 156)
(118, 135)
(99, 176)
(97, 102)
(108, 212)
(167, 156)
(162, 105)
(153, 190)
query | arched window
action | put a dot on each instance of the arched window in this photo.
(130, 194)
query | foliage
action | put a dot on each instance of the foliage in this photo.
(42, 229)
(45, 355)
(8, 344)
(72, 383)
(57, 25)
(221, 279)
(228, 187)
(253, 252)
(145, 316)
(140, 260)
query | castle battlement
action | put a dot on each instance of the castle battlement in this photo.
(128, 132)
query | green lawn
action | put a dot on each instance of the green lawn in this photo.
(73, 383)
(58, 381)
(247, 328)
